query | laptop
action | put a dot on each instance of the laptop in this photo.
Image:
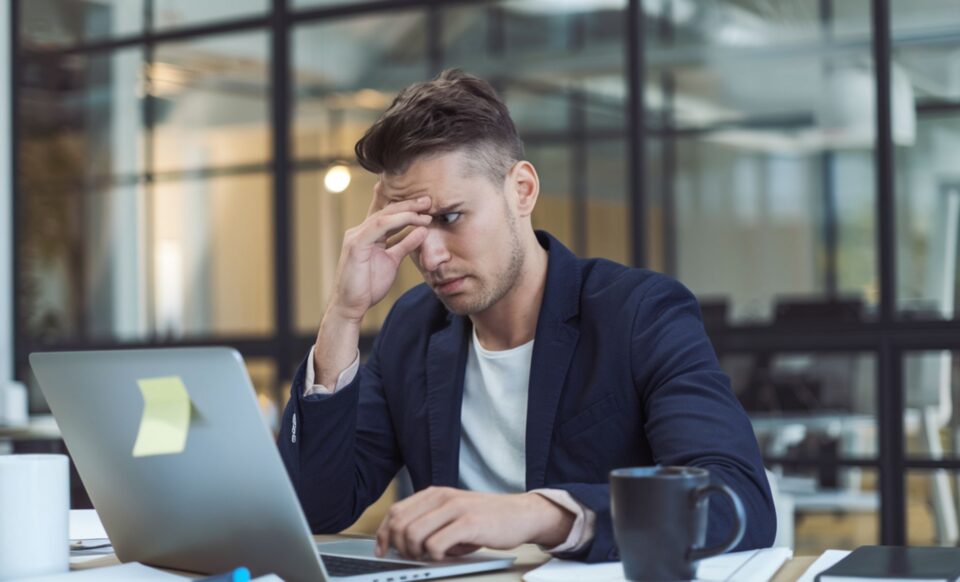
(222, 498)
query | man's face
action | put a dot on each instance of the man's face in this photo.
(472, 255)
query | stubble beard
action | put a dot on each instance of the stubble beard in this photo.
(501, 284)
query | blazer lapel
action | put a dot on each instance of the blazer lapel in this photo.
(446, 359)
(556, 339)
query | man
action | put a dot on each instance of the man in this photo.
(517, 376)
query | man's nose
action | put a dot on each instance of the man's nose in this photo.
(433, 250)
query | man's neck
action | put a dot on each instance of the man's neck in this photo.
(512, 321)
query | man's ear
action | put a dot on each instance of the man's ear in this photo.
(522, 179)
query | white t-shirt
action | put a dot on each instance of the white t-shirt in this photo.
(494, 419)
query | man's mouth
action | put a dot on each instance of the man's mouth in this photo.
(450, 285)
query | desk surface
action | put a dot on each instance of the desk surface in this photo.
(528, 558)
(40, 427)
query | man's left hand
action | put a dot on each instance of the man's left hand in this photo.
(442, 522)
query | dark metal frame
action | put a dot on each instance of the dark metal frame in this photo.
(828, 162)
(282, 241)
(15, 278)
(579, 169)
(636, 141)
(890, 364)
(887, 336)
(149, 119)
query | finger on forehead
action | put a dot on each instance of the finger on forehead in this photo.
(419, 204)
(396, 236)
(381, 226)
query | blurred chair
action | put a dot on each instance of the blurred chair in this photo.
(813, 406)
(927, 388)
(801, 310)
(714, 311)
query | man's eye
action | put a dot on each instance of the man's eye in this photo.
(450, 217)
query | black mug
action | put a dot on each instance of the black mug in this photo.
(660, 520)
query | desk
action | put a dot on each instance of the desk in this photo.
(528, 558)
(40, 428)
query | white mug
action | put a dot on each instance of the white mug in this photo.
(13, 404)
(34, 515)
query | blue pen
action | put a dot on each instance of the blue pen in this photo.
(239, 575)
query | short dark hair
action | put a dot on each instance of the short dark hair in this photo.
(452, 112)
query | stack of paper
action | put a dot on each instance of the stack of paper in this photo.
(749, 566)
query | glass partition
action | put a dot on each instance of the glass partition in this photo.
(211, 100)
(926, 119)
(767, 184)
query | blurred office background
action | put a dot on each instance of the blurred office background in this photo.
(182, 172)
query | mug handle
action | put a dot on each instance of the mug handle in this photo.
(696, 554)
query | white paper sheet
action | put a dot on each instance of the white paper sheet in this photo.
(826, 559)
(133, 571)
(85, 525)
(749, 566)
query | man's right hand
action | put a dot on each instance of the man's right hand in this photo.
(369, 262)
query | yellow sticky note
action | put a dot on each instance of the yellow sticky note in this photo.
(166, 417)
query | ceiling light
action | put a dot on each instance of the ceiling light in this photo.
(337, 178)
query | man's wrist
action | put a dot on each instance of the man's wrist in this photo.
(553, 521)
(335, 348)
(340, 315)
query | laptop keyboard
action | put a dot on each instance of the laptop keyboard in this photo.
(341, 566)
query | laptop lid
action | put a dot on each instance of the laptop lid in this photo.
(224, 500)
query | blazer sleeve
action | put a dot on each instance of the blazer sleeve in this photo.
(339, 449)
(691, 417)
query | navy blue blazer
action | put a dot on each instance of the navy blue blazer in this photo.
(622, 375)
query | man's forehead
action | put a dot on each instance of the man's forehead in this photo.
(429, 174)
(394, 190)
(441, 194)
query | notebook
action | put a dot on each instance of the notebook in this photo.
(895, 563)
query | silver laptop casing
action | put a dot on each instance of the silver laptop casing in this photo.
(225, 501)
